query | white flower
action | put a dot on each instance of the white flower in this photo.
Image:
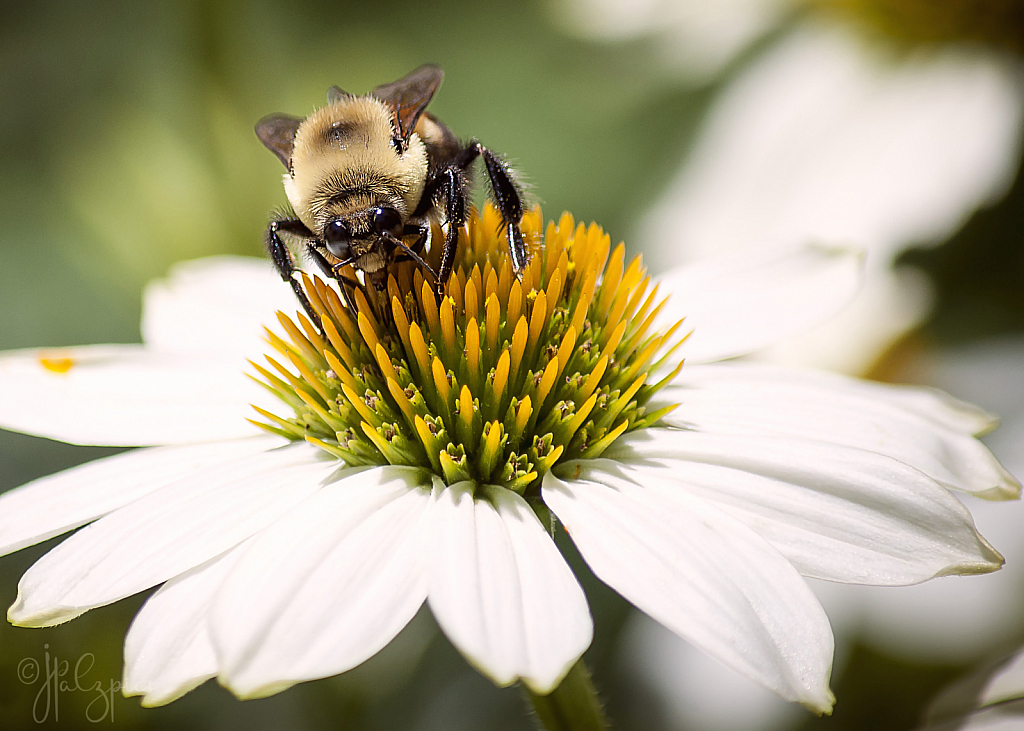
(696, 39)
(951, 620)
(926, 622)
(280, 563)
(829, 137)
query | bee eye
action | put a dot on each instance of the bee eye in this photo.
(389, 220)
(337, 237)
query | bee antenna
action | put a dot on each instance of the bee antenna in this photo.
(410, 253)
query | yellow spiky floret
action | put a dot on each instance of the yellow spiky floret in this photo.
(498, 381)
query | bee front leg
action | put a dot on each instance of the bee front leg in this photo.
(347, 287)
(422, 232)
(283, 261)
(334, 272)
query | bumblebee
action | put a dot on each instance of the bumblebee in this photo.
(367, 174)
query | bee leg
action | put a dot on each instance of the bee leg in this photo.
(423, 233)
(330, 270)
(283, 261)
(510, 205)
(506, 195)
(454, 192)
(347, 287)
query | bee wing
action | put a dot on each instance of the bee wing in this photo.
(336, 94)
(410, 95)
(277, 132)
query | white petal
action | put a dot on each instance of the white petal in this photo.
(702, 574)
(828, 139)
(946, 620)
(986, 372)
(696, 38)
(328, 585)
(1007, 682)
(501, 590)
(57, 503)
(930, 403)
(917, 426)
(166, 533)
(990, 698)
(695, 690)
(127, 396)
(835, 512)
(168, 651)
(738, 303)
(1007, 716)
(891, 302)
(218, 304)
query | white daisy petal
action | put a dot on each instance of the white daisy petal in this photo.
(328, 585)
(167, 532)
(215, 305)
(126, 396)
(915, 426)
(930, 403)
(891, 302)
(742, 302)
(60, 502)
(168, 651)
(501, 590)
(837, 513)
(702, 574)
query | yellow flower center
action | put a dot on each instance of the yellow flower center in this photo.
(497, 383)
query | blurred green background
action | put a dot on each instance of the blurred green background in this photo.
(126, 145)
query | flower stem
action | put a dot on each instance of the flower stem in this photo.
(572, 706)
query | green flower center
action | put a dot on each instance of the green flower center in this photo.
(497, 383)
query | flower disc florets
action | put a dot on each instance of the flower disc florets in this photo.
(497, 383)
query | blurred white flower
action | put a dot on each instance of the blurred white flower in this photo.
(829, 138)
(695, 38)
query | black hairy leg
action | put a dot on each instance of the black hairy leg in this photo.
(449, 183)
(506, 195)
(454, 192)
(283, 261)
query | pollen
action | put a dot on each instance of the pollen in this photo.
(498, 381)
(56, 364)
